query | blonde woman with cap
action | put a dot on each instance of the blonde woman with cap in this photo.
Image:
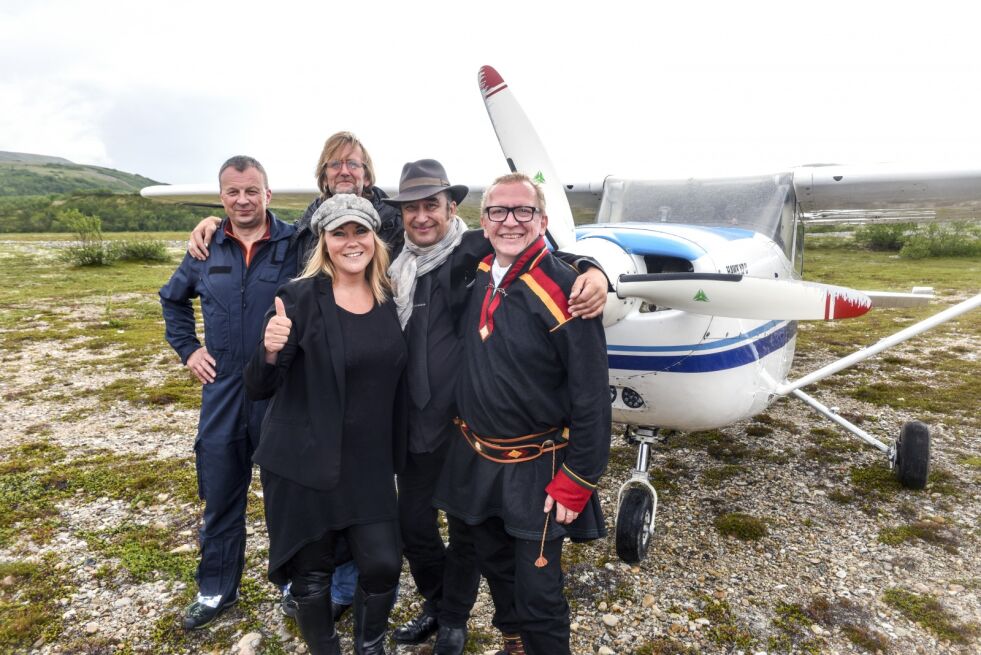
(334, 435)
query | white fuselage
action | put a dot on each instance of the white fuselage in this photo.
(679, 370)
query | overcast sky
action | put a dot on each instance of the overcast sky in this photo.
(170, 90)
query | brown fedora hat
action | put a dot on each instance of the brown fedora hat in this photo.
(425, 178)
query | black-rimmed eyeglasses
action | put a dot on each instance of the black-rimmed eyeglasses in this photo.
(499, 214)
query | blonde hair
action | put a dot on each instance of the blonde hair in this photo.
(514, 178)
(333, 146)
(376, 274)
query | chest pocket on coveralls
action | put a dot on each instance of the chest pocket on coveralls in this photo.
(272, 270)
(218, 285)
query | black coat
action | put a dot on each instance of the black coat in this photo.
(302, 429)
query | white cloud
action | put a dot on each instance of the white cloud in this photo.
(169, 91)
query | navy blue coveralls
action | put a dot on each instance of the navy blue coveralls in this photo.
(234, 299)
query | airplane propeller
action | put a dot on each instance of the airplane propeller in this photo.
(741, 296)
(526, 153)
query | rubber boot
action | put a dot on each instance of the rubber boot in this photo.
(371, 613)
(316, 621)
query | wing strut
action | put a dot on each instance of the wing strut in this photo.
(883, 344)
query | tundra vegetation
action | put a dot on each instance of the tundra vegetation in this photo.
(98, 505)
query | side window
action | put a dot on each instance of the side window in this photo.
(799, 246)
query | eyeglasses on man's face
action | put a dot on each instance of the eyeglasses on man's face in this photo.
(499, 214)
(338, 164)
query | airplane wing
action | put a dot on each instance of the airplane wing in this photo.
(290, 197)
(206, 195)
(843, 194)
(887, 191)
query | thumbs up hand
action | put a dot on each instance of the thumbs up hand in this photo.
(277, 332)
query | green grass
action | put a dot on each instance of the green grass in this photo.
(910, 375)
(34, 477)
(144, 553)
(27, 610)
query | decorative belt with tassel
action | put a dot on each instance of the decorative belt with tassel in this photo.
(515, 450)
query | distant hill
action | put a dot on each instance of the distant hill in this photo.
(25, 174)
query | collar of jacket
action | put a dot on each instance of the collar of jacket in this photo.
(277, 229)
(527, 260)
(524, 262)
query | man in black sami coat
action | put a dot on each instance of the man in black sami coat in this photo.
(535, 421)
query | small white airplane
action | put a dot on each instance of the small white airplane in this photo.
(701, 326)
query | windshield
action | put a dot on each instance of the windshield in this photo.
(764, 203)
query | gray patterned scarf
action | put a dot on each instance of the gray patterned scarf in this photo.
(414, 262)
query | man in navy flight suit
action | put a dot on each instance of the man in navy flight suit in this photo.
(250, 258)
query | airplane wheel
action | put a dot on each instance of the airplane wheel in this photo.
(913, 455)
(634, 525)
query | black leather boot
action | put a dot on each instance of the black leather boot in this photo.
(450, 641)
(371, 620)
(316, 621)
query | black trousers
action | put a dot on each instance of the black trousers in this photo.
(528, 600)
(375, 547)
(447, 577)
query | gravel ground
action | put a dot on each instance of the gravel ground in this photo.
(695, 587)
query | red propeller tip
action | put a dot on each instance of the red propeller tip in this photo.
(489, 79)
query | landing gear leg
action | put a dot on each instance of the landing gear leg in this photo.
(637, 503)
(909, 457)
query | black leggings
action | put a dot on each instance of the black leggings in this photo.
(376, 550)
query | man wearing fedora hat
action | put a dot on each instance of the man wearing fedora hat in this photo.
(431, 277)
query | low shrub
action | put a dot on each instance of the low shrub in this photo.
(99, 253)
(884, 236)
(944, 240)
(143, 250)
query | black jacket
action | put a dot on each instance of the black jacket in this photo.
(302, 429)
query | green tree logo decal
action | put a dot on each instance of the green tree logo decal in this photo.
(539, 178)
(701, 297)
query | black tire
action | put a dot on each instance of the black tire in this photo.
(913, 455)
(633, 525)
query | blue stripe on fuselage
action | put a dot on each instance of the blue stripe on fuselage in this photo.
(706, 345)
(720, 361)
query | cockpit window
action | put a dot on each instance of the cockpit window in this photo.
(764, 204)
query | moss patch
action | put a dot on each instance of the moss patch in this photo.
(723, 629)
(853, 620)
(794, 635)
(665, 646)
(928, 531)
(929, 613)
(741, 526)
(875, 482)
(717, 475)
